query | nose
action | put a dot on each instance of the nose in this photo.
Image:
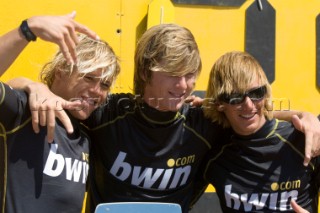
(181, 82)
(97, 90)
(247, 104)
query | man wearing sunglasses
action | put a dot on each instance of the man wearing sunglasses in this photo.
(255, 94)
(36, 176)
(259, 168)
(148, 146)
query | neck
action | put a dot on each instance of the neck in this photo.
(156, 115)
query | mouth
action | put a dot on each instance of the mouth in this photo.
(248, 116)
(88, 101)
(177, 95)
(91, 101)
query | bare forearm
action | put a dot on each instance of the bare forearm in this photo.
(11, 45)
(61, 30)
(287, 115)
(20, 83)
(307, 123)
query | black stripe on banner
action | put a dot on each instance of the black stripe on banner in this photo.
(318, 51)
(225, 3)
(260, 35)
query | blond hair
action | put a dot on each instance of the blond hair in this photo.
(91, 55)
(233, 72)
(166, 48)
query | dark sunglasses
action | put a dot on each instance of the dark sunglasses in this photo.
(255, 94)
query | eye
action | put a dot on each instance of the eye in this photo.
(190, 75)
(88, 78)
(235, 96)
(105, 85)
(234, 101)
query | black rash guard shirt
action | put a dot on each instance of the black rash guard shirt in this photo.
(140, 154)
(264, 171)
(36, 176)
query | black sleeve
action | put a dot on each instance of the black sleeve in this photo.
(116, 105)
(200, 184)
(12, 105)
(316, 176)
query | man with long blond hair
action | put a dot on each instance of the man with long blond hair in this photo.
(147, 146)
(259, 167)
(36, 176)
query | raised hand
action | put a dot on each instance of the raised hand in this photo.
(60, 30)
(46, 106)
(310, 126)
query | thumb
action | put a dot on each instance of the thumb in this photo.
(296, 121)
(72, 14)
(297, 208)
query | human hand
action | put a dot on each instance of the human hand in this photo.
(45, 106)
(310, 126)
(194, 100)
(60, 30)
(297, 208)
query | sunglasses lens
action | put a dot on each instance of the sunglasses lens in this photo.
(237, 98)
(233, 99)
(257, 94)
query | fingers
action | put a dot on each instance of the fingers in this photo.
(85, 30)
(68, 45)
(51, 122)
(308, 149)
(189, 99)
(296, 121)
(82, 28)
(44, 113)
(61, 30)
(310, 126)
(72, 105)
(71, 39)
(34, 112)
(59, 112)
(65, 120)
(68, 49)
(297, 208)
(194, 100)
(62, 115)
(72, 14)
(65, 51)
(197, 101)
(35, 121)
(43, 116)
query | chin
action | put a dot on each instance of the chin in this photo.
(176, 107)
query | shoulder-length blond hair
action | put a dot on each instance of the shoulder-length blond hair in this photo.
(233, 72)
(166, 48)
(91, 55)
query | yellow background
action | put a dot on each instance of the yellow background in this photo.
(216, 29)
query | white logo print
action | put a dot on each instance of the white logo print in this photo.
(76, 170)
(147, 177)
(277, 201)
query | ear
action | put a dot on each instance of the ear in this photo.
(58, 75)
(220, 107)
(143, 76)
